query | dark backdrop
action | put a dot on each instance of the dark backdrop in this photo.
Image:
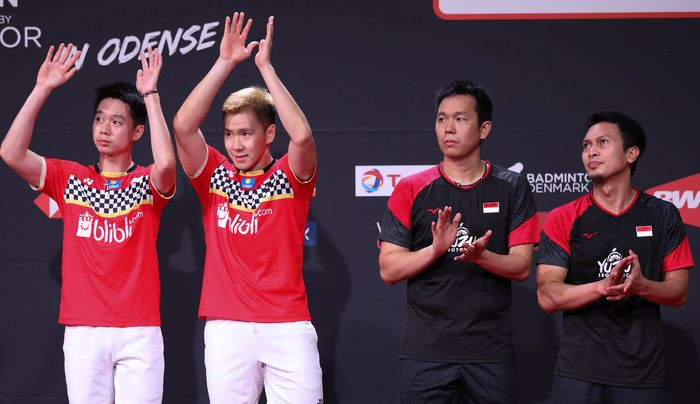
(364, 72)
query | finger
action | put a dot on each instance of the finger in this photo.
(234, 22)
(144, 65)
(457, 218)
(246, 29)
(58, 52)
(151, 60)
(65, 54)
(461, 257)
(73, 58)
(251, 46)
(227, 25)
(433, 226)
(487, 236)
(270, 28)
(71, 72)
(614, 290)
(239, 23)
(49, 55)
(139, 74)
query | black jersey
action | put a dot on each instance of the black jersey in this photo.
(614, 342)
(457, 311)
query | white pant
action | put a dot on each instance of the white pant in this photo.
(114, 365)
(240, 357)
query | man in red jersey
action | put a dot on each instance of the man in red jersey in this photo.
(258, 331)
(608, 260)
(110, 296)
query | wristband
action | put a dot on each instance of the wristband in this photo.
(147, 93)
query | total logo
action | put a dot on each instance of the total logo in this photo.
(381, 180)
(684, 194)
(102, 230)
(606, 266)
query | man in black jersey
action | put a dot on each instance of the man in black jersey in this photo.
(458, 233)
(608, 260)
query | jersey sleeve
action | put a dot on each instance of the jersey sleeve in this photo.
(677, 254)
(201, 181)
(395, 225)
(554, 248)
(525, 226)
(159, 200)
(304, 187)
(54, 178)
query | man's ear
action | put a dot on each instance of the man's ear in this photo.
(632, 154)
(485, 129)
(270, 134)
(138, 132)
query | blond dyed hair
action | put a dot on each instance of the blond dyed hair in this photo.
(255, 99)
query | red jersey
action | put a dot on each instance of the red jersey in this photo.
(254, 227)
(110, 225)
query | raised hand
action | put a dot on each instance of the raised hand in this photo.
(233, 47)
(147, 75)
(264, 51)
(632, 285)
(57, 68)
(444, 230)
(472, 252)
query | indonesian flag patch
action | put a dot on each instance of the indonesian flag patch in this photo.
(490, 207)
(644, 231)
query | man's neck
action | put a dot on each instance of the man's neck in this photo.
(115, 164)
(466, 170)
(615, 195)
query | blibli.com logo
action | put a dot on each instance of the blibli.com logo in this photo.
(238, 225)
(381, 180)
(102, 230)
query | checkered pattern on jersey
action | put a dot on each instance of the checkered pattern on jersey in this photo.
(277, 185)
(109, 202)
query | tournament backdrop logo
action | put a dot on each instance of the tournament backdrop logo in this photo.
(372, 180)
(684, 193)
(563, 9)
(381, 180)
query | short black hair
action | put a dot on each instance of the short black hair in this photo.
(632, 133)
(126, 93)
(484, 105)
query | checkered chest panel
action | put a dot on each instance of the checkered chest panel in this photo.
(109, 202)
(277, 186)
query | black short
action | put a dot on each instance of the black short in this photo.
(566, 390)
(440, 382)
